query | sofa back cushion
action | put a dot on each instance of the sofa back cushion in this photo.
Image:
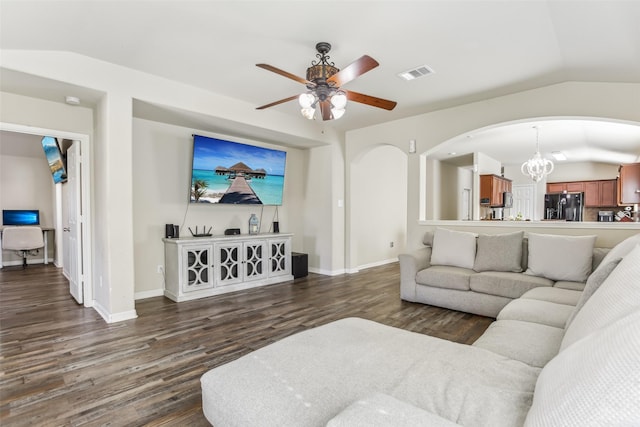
(618, 296)
(499, 252)
(594, 382)
(558, 257)
(455, 248)
(593, 283)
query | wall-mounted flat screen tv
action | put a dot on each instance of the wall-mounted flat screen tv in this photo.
(55, 159)
(227, 172)
(20, 217)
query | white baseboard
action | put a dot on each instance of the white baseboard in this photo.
(114, 317)
(148, 294)
(327, 272)
(377, 264)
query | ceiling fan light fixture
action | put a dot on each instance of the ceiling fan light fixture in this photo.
(306, 100)
(339, 100)
(337, 113)
(308, 112)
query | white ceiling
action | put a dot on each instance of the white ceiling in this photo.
(478, 49)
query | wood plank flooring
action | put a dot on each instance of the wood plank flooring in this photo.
(62, 365)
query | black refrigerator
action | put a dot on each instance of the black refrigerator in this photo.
(564, 206)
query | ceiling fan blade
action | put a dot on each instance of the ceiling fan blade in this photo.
(284, 73)
(370, 100)
(325, 109)
(282, 101)
(353, 70)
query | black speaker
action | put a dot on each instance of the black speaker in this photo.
(231, 231)
(276, 227)
(168, 231)
(299, 264)
(176, 231)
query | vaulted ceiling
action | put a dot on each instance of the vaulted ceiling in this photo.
(478, 49)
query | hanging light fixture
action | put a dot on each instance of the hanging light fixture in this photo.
(537, 167)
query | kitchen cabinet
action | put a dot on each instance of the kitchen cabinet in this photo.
(629, 184)
(601, 193)
(491, 189)
(569, 187)
(206, 266)
(556, 187)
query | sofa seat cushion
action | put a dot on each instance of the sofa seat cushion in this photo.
(536, 311)
(308, 378)
(445, 276)
(557, 295)
(530, 343)
(505, 284)
(381, 410)
(565, 284)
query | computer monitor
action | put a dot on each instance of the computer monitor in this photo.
(20, 217)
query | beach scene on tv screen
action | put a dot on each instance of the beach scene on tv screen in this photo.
(235, 173)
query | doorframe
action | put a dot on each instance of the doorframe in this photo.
(85, 174)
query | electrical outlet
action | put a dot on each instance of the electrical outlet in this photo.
(160, 269)
(391, 244)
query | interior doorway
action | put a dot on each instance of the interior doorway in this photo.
(83, 169)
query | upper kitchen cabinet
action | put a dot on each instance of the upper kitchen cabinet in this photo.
(492, 188)
(600, 193)
(629, 184)
(565, 187)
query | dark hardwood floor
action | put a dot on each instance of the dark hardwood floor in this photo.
(62, 365)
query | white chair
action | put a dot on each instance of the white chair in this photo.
(24, 240)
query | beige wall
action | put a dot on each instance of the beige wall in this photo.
(115, 275)
(26, 183)
(378, 206)
(571, 99)
(161, 183)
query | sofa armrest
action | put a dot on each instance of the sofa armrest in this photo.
(410, 264)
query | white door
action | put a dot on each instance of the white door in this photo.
(72, 232)
(524, 198)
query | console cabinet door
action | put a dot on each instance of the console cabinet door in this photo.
(255, 260)
(228, 263)
(197, 268)
(279, 257)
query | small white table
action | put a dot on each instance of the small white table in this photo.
(45, 235)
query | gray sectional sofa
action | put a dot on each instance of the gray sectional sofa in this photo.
(490, 271)
(553, 357)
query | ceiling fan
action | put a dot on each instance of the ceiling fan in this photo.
(324, 86)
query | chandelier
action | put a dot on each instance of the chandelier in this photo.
(322, 90)
(537, 167)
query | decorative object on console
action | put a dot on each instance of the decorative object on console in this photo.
(254, 224)
(324, 83)
(537, 167)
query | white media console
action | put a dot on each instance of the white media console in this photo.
(197, 267)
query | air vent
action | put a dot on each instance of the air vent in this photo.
(414, 73)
